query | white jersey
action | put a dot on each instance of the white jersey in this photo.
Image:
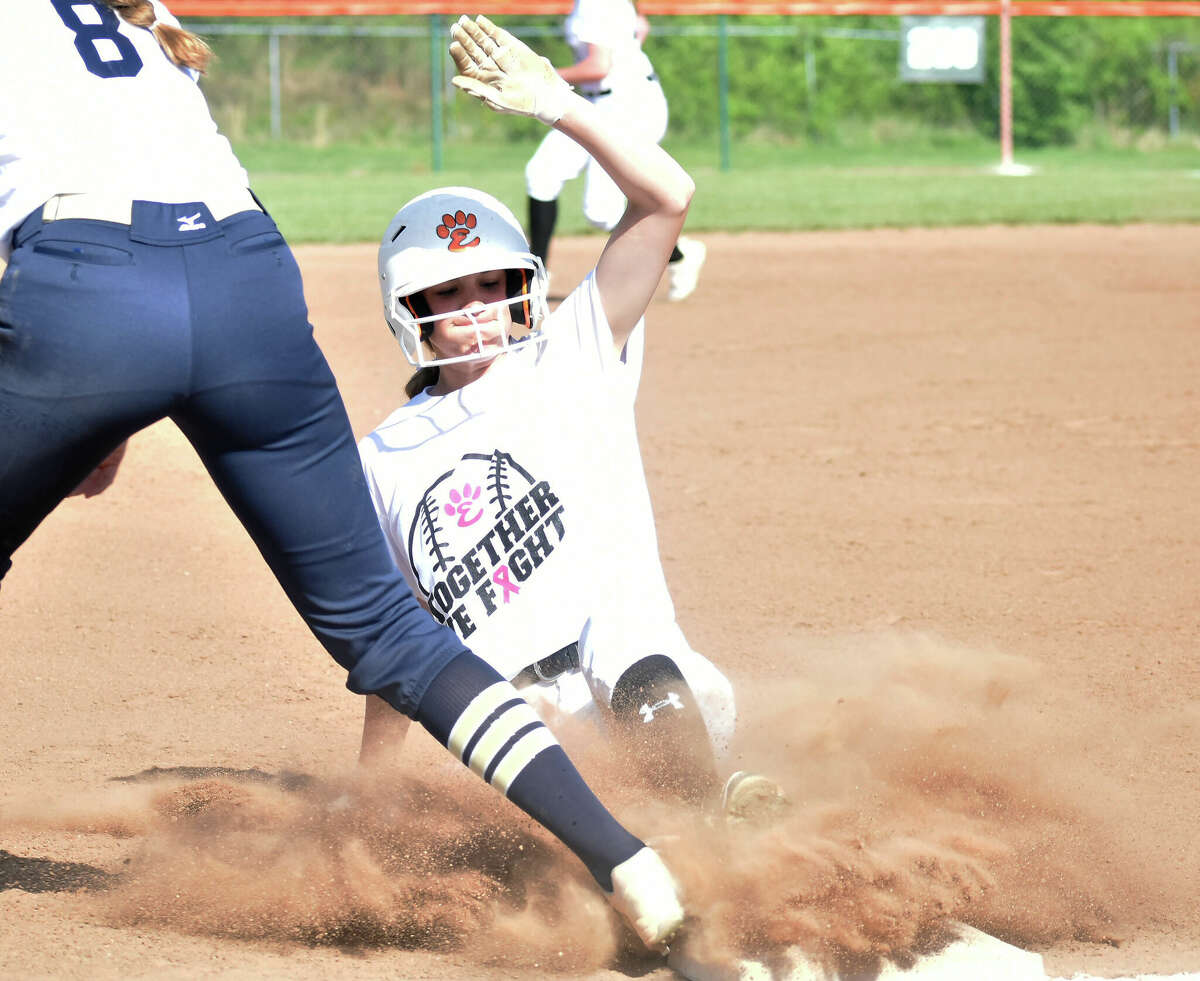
(517, 508)
(75, 74)
(492, 497)
(610, 24)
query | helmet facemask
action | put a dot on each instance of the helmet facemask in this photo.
(447, 234)
(412, 323)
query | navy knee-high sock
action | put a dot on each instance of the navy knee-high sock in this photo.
(480, 718)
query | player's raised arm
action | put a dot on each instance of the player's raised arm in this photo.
(508, 76)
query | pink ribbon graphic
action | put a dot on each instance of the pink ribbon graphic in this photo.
(501, 578)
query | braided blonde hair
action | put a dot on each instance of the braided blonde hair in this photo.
(182, 47)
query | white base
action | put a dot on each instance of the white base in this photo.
(1012, 170)
(1189, 976)
(974, 955)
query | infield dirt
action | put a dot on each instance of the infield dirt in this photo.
(930, 498)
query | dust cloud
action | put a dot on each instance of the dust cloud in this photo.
(929, 783)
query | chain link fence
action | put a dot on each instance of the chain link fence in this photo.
(728, 80)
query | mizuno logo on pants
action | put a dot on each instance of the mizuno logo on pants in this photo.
(190, 223)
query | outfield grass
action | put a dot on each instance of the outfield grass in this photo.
(348, 193)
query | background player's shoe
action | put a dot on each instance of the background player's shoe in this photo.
(751, 798)
(647, 895)
(682, 276)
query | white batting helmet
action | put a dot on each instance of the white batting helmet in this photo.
(442, 235)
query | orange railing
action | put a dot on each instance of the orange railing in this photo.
(1029, 8)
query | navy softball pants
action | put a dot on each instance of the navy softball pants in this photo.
(106, 328)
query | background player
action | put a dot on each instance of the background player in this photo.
(613, 72)
(144, 282)
(514, 471)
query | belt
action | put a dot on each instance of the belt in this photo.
(98, 206)
(549, 667)
(594, 95)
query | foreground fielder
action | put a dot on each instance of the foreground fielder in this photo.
(145, 281)
(510, 486)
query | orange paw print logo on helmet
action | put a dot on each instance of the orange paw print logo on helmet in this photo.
(456, 228)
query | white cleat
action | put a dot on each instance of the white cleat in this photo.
(682, 276)
(647, 895)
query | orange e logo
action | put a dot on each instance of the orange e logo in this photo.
(456, 228)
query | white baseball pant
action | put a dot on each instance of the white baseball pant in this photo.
(559, 159)
(608, 648)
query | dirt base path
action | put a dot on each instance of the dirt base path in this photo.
(928, 496)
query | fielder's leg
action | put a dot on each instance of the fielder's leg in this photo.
(383, 734)
(89, 354)
(543, 216)
(603, 202)
(557, 160)
(480, 718)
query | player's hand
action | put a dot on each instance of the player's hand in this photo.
(100, 479)
(504, 72)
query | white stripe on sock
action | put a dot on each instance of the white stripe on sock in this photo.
(520, 756)
(474, 715)
(494, 736)
(488, 748)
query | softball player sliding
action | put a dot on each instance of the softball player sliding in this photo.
(145, 281)
(613, 72)
(510, 487)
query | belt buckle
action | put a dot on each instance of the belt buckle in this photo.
(541, 675)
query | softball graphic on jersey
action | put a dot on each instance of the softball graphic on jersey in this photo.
(488, 526)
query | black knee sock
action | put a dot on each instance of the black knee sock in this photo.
(542, 217)
(477, 715)
(668, 741)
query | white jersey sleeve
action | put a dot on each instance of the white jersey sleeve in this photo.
(93, 103)
(578, 333)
